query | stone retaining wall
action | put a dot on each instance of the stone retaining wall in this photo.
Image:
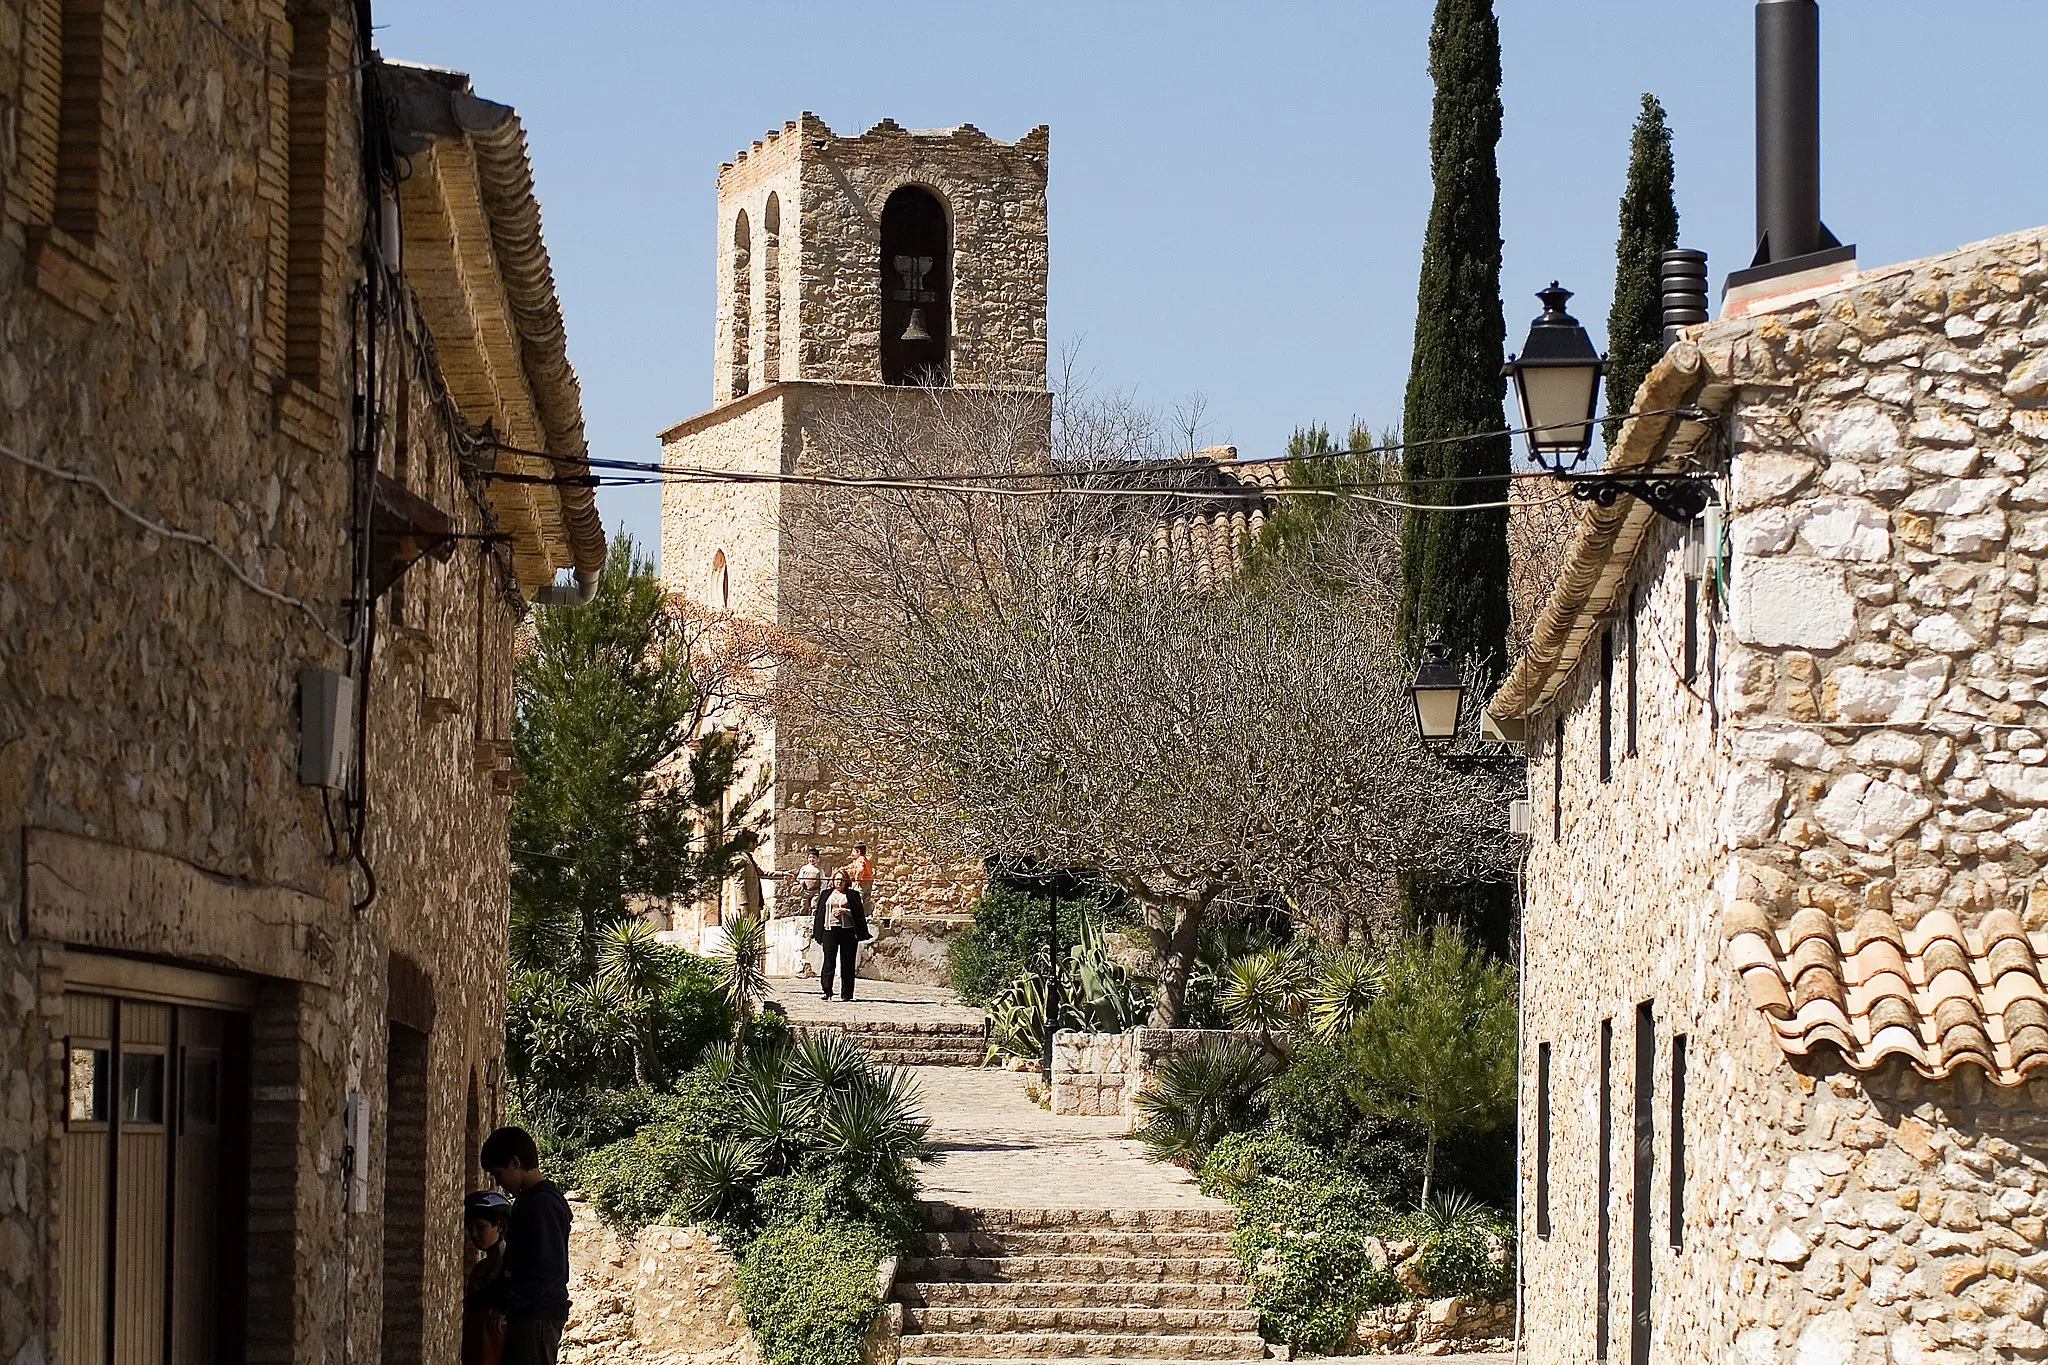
(1101, 1074)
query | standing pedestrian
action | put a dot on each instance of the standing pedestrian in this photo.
(840, 924)
(533, 1290)
(485, 1215)
(862, 870)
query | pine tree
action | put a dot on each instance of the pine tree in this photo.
(1455, 564)
(624, 797)
(1649, 228)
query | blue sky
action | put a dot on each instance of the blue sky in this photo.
(1238, 190)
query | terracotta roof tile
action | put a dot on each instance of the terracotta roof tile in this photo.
(1935, 993)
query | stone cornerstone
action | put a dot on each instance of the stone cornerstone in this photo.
(1784, 1018)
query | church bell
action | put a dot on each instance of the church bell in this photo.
(915, 329)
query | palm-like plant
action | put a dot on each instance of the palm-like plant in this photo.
(819, 1065)
(1341, 991)
(877, 1126)
(742, 967)
(718, 1175)
(1264, 990)
(1202, 1095)
(639, 967)
(774, 1121)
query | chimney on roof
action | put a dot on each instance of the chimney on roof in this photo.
(1794, 249)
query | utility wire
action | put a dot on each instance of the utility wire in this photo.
(150, 524)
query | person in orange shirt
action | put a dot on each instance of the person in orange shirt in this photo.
(862, 873)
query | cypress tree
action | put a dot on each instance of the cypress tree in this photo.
(1649, 228)
(1455, 564)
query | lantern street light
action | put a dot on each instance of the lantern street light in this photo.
(1438, 695)
(1557, 385)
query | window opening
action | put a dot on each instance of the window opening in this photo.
(742, 303)
(82, 119)
(1543, 1139)
(721, 582)
(1677, 1175)
(771, 291)
(1557, 780)
(1603, 1192)
(1645, 1171)
(1606, 705)
(305, 289)
(1635, 610)
(917, 286)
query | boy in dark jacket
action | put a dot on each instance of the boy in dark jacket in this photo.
(533, 1289)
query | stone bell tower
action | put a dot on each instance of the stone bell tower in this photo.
(894, 257)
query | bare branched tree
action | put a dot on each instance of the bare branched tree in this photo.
(1008, 677)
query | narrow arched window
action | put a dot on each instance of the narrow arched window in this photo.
(771, 291)
(917, 288)
(742, 302)
(721, 582)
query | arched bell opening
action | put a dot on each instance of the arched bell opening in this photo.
(742, 303)
(917, 288)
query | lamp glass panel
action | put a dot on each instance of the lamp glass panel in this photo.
(1557, 405)
(1436, 711)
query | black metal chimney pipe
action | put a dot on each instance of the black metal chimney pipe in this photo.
(1788, 131)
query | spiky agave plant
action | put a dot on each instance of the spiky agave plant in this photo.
(817, 1066)
(718, 1176)
(1263, 990)
(742, 971)
(876, 1126)
(776, 1122)
(1345, 985)
(1202, 1095)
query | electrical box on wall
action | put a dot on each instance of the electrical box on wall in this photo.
(327, 713)
(1518, 816)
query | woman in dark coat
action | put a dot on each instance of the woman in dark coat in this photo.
(839, 923)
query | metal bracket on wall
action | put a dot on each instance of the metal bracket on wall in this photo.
(1671, 495)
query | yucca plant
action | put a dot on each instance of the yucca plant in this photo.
(778, 1124)
(638, 967)
(742, 959)
(1264, 990)
(1341, 991)
(817, 1066)
(876, 1126)
(718, 1176)
(1200, 1096)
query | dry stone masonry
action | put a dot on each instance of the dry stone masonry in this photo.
(1784, 1016)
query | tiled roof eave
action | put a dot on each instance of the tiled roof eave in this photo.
(1606, 539)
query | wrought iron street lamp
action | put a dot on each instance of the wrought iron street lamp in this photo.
(1557, 385)
(1438, 695)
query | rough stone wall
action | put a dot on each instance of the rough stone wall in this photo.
(830, 191)
(1102, 1074)
(660, 1295)
(1876, 682)
(148, 707)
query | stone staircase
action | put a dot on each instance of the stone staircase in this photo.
(1075, 1285)
(896, 1042)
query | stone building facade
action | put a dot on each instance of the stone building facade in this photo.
(1783, 1011)
(832, 251)
(251, 1026)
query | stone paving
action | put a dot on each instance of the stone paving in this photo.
(873, 1002)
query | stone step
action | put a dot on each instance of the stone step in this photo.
(1076, 1294)
(1041, 1346)
(864, 1028)
(1071, 1269)
(943, 1217)
(1099, 1243)
(932, 1056)
(1157, 1322)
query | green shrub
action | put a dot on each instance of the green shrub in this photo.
(1303, 1237)
(634, 1181)
(808, 1290)
(1201, 1096)
(1009, 930)
(1467, 1249)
